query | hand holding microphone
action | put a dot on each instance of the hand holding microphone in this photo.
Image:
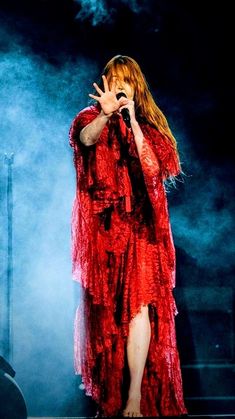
(125, 112)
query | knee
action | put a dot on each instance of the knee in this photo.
(143, 314)
(144, 311)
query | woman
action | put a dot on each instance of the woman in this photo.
(122, 249)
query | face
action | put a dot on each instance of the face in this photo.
(125, 87)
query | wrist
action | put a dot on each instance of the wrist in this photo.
(105, 115)
(134, 123)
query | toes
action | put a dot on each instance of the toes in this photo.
(127, 413)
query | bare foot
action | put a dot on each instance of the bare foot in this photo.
(132, 408)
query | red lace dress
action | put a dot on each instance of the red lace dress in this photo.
(123, 256)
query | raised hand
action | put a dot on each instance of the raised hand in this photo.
(107, 99)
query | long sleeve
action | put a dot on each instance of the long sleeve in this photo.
(82, 119)
(164, 156)
(82, 227)
(101, 180)
(158, 161)
(83, 155)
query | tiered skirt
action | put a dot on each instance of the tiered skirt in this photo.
(128, 275)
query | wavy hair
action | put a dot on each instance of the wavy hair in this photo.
(128, 70)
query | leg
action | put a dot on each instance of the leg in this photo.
(137, 351)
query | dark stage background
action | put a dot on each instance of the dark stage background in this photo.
(51, 52)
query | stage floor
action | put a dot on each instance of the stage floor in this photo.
(169, 417)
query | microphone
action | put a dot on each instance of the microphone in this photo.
(125, 112)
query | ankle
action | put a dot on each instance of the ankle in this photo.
(133, 394)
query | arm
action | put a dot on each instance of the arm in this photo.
(138, 135)
(149, 161)
(90, 134)
(156, 152)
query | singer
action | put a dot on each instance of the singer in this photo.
(123, 253)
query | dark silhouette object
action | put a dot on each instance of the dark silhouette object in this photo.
(125, 112)
(12, 404)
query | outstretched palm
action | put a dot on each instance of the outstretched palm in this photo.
(107, 99)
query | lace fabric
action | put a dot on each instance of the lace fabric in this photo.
(123, 256)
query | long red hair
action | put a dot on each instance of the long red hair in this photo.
(127, 69)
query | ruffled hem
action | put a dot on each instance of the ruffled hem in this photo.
(100, 358)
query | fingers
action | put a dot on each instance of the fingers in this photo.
(97, 88)
(94, 97)
(123, 103)
(106, 86)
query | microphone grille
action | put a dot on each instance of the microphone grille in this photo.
(120, 94)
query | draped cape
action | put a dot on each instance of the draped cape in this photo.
(119, 270)
(100, 180)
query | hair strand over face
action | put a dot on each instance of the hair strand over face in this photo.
(128, 70)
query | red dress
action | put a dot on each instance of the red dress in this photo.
(123, 256)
